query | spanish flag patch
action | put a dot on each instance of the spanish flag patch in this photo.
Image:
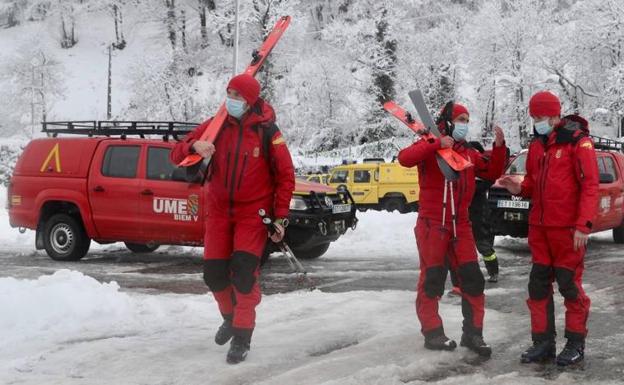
(586, 145)
(279, 140)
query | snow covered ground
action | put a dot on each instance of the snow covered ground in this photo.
(69, 328)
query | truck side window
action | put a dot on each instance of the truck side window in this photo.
(340, 176)
(121, 161)
(159, 167)
(518, 165)
(361, 176)
(610, 167)
(601, 166)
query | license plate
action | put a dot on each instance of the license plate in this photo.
(513, 216)
(513, 204)
(338, 209)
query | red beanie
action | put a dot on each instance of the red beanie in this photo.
(247, 86)
(458, 109)
(544, 103)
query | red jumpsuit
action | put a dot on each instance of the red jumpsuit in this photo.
(435, 242)
(562, 182)
(242, 180)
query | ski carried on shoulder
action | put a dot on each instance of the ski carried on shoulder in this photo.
(216, 123)
(449, 161)
(406, 117)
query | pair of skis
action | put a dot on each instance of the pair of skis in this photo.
(194, 163)
(295, 265)
(449, 161)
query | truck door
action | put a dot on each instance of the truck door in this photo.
(610, 190)
(363, 190)
(114, 191)
(171, 209)
(339, 178)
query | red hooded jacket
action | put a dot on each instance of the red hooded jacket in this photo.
(562, 177)
(431, 180)
(241, 174)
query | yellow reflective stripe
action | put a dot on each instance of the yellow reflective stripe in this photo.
(279, 140)
(490, 258)
(55, 152)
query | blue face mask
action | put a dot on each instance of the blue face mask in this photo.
(543, 127)
(460, 131)
(235, 108)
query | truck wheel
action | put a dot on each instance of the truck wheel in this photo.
(392, 204)
(618, 234)
(313, 252)
(141, 247)
(64, 238)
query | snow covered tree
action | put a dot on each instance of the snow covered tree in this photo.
(203, 9)
(12, 11)
(68, 23)
(34, 80)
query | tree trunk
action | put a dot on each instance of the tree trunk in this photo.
(202, 25)
(115, 17)
(171, 22)
(183, 16)
(12, 18)
(205, 6)
(120, 41)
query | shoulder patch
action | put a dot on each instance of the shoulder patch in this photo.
(278, 141)
(587, 144)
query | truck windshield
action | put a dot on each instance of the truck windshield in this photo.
(518, 165)
(339, 176)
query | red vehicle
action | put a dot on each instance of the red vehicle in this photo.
(510, 213)
(72, 190)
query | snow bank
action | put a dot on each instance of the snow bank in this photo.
(378, 233)
(45, 305)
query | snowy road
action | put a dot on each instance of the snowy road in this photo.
(358, 328)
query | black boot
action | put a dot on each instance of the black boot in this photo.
(475, 343)
(440, 342)
(224, 333)
(491, 265)
(572, 353)
(239, 347)
(541, 351)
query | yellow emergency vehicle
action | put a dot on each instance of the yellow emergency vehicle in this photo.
(316, 178)
(378, 185)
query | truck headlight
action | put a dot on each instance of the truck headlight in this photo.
(298, 203)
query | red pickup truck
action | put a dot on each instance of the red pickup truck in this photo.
(510, 213)
(72, 190)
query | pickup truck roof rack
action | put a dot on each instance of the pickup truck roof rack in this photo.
(119, 128)
(602, 143)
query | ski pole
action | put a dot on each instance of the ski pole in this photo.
(444, 202)
(454, 220)
(284, 248)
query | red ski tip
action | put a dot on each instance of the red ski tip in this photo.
(190, 160)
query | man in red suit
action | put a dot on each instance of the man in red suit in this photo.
(251, 169)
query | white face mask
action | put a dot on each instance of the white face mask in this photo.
(235, 107)
(460, 131)
(543, 127)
